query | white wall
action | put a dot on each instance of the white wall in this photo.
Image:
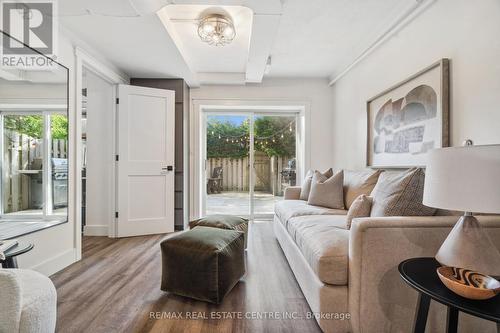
(22, 92)
(466, 32)
(314, 91)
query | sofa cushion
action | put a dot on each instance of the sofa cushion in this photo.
(357, 182)
(324, 243)
(338, 221)
(400, 194)
(327, 192)
(361, 207)
(287, 209)
(306, 184)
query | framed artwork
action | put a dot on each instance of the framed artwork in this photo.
(409, 119)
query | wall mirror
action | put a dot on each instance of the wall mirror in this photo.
(33, 148)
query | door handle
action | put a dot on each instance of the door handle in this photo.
(167, 168)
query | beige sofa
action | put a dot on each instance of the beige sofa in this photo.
(350, 277)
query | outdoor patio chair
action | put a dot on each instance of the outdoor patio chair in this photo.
(214, 183)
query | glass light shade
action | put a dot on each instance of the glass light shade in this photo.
(228, 31)
(216, 30)
(208, 28)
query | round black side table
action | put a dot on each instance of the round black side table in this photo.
(420, 274)
(11, 254)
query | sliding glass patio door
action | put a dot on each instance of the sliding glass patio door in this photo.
(249, 159)
(227, 164)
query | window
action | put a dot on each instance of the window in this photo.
(34, 164)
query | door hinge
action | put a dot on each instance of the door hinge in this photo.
(116, 215)
(117, 158)
(117, 100)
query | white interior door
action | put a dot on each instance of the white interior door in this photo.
(145, 172)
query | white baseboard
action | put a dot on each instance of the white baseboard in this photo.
(56, 263)
(95, 230)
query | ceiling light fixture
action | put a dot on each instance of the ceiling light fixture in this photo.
(216, 29)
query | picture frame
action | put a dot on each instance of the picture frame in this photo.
(410, 118)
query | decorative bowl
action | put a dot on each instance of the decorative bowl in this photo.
(468, 284)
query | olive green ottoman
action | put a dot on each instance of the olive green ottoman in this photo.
(203, 263)
(229, 222)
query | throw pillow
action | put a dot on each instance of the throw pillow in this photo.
(327, 192)
(306, 184)
(360, 207)
(400, 194)
(358, 182)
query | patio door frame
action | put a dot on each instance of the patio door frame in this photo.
(250, 114)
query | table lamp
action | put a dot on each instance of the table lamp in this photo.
(466, 179)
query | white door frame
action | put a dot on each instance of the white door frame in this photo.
(84, 60)
(197, 137)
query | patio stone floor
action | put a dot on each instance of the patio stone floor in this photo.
(238, 203)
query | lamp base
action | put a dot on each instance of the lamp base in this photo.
(469, 246)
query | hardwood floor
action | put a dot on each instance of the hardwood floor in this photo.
(116, 288)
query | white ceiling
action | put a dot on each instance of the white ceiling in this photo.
(136, 43)
(316, 38)
(322, 37)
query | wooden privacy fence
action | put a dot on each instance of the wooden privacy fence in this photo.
(19, 151)
(235, 173)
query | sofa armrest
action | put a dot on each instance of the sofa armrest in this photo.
(378, 297)
(10, 301)
(292, 193)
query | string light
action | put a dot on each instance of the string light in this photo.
(262, 140)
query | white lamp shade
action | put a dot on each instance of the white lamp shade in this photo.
(464, 179)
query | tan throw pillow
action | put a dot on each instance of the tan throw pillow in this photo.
(400, 194)
(358, 182)
(327, 192)
(360, 207)
(306, 185)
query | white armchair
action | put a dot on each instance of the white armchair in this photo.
(28, 302)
